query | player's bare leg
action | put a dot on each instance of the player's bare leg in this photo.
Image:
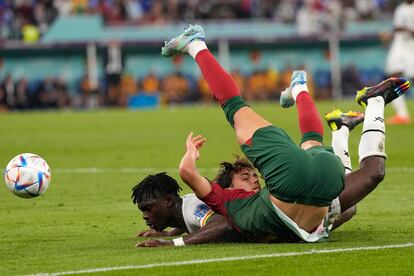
(225, 91)
(341, 124)
(363, 181)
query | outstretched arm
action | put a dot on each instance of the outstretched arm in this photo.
(344, 217)
(216, 228)
(188, 169)
(154, 233)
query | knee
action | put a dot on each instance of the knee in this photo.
(375, 168)
(377, 172)
(378, 175)
(309, 144)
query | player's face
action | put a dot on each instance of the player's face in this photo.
(247, 180)
(155, 212)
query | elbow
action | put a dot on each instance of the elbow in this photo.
(223, 224)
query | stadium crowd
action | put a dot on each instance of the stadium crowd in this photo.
(174, 88)
(21, 17)
(35, 16)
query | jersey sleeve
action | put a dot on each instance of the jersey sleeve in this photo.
(216, 199)
(195, 212)
(202, 213)
(218, 196)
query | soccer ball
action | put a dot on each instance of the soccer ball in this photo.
(27, 175)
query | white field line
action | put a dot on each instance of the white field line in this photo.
(172, 170)
(226, 259)
(123, 170)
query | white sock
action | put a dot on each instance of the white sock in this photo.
(400, 107)
(340, 147)
(373, 132)
(195, 46)
(297, 89)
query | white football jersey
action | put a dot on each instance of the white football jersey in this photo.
(401, 55)
(195, 212)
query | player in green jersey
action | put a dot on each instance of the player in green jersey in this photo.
(301, 182)
(240, 174)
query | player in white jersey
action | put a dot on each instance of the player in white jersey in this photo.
(157, 197)
(400, 60)
(195, 212)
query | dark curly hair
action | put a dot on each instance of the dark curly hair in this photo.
(227, 171)
(155, 186)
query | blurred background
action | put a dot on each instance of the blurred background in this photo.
(106, 53)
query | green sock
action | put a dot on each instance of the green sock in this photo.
(311, 136)
(231, 106)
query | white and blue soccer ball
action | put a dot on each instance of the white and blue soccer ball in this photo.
(27, 175)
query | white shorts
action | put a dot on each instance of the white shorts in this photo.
(321, 233)
(409, 70)
(400, 59)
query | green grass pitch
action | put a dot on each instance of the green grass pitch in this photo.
(86, 220)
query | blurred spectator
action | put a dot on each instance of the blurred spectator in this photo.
(114, 66)
(285, 76)
(286, 10)
(134, 11)
(116, 14)
(61, 94)
(100, 7)
(51, 93)
(90, 96)
(312, 18)
(44, 12)
(271, 84)
(79, 6)
(261, 85)
(239, 79)
(128, 88)
(322, 80)
(150, 84)
(366, 9)
(63, 7)
(22, 94)
(48, 93)
(400, 60)
(46, 96)
(204, 90)
(3, 104)
(174, 89)
(351, 81)
(9, 91)
(157, 13)
(349, 10)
